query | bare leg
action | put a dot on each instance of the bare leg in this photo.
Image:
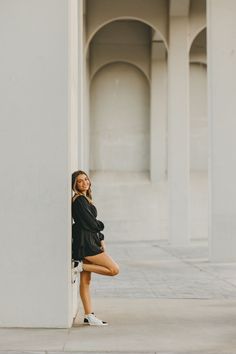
(85, 278)
(101, 264)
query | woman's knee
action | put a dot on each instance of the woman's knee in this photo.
(114, 270)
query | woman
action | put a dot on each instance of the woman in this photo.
(88, 246)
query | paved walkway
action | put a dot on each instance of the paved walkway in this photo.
(152, 269)
(165, 300)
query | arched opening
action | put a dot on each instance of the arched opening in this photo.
(119, 119)
(159, 34)
(119, 65)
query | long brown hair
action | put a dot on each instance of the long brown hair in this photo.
(75, 189)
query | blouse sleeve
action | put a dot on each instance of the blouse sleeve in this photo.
(86, 218)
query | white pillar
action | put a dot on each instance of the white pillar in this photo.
(178, 131)
(74, 9)
(221, 51)
(158, 112)
(81, 87)
(35, 188)
(74, 80)
(87, 142)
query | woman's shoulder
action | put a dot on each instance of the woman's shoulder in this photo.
(78, 198)
(81, 199)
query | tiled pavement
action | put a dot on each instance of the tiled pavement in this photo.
(154, 269)
(165, 300)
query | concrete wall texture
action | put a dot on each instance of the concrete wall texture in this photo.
(35, 163)
(85, 83)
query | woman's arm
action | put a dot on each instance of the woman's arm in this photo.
(103, 245)
(86, 218)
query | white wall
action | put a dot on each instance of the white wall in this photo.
(35, 163)
(120, 119)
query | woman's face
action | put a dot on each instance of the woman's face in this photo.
(83, 183)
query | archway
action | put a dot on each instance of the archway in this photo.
(119, 117)
(119, 62)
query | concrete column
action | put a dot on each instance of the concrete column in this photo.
(158, 129)
(221, 51)
(74, 9)
(35, 188)
(178, 130)
(87, 142)
(74, 92)
(81, 86)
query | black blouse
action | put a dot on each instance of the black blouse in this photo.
(86, 230)
(84, 215)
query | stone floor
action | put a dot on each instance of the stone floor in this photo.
(153, 269)
(166, 300)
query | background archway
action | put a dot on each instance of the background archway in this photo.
(119, 119)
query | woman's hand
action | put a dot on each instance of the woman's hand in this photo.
(103, 245)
